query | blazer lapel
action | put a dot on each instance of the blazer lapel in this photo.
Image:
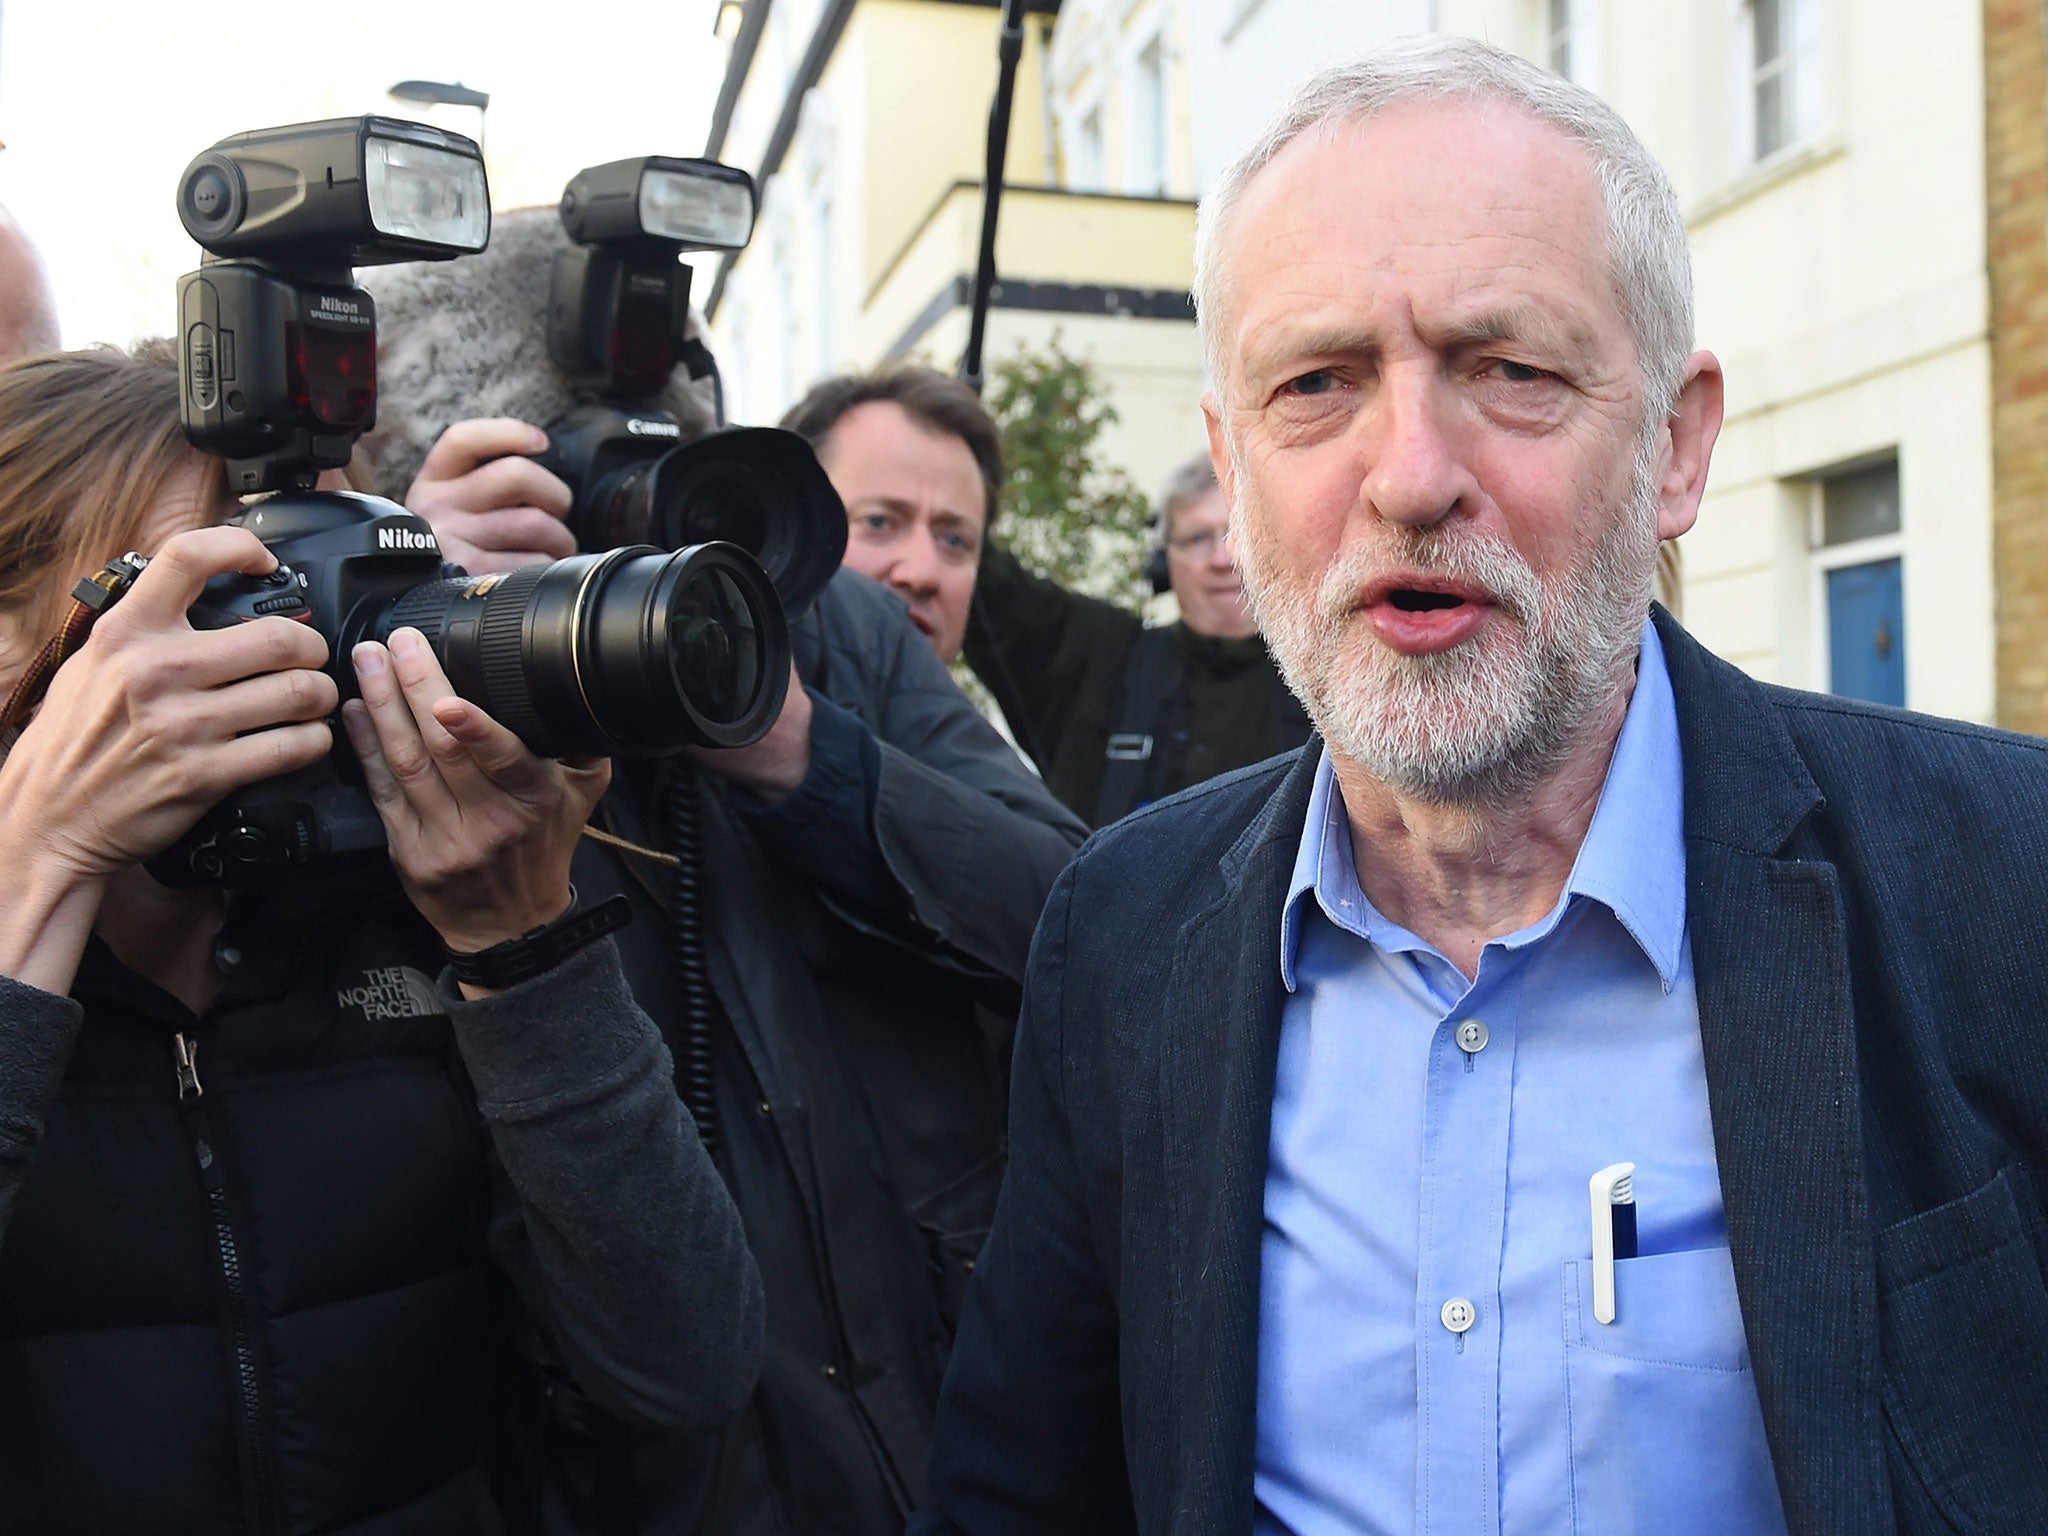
(1777, 1027)
(1220, 1040)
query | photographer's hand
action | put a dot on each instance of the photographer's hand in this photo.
(773, 767)
(492, 508)
(149, 725)
(481, 830)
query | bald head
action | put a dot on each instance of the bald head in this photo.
(28, 311)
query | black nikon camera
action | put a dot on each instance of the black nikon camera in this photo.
(635, 649)
(618, 308)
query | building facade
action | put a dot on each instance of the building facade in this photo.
(866, 123)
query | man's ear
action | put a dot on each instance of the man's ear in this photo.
(1219, 448)
(1688, 445)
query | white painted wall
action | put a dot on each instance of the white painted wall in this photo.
(1248, 54)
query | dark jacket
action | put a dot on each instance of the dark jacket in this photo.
(1864, 901)
(866, 943)
(258, 1294)
(1061, 666)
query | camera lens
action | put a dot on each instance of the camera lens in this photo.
(710, 499)
(674, 500)
(632, 651)
(620, 508)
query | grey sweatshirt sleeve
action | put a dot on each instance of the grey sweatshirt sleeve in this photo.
(622, 1236)
(37, 1029)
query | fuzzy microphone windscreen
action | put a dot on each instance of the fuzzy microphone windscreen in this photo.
(467, 338)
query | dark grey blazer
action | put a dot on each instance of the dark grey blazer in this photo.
(1865, 892)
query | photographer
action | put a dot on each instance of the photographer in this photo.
(872, 872)
(273, 1203)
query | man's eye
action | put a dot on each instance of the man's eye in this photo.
(1318, 382)
(1518, 373)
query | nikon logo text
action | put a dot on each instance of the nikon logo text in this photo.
(406, 538)
(639, 428)
(333, 306)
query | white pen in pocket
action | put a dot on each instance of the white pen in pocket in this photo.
(1614, 1231)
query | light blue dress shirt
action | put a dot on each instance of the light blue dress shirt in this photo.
(1431, 1146)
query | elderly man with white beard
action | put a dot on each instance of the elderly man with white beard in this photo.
(1585, 1089)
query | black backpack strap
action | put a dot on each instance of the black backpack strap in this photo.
(1139, 736)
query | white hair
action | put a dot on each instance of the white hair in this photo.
(1646, 240)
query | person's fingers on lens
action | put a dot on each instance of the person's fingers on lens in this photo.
(397, 730)
(177, 572)
(490, 750)
(477, 751)
(519, 529)
(467, 444)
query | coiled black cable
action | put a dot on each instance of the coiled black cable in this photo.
(695, 1076)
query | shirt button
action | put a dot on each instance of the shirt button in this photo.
(1459, 1314)
(1472, 1037)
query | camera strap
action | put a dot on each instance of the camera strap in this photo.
(92, 597)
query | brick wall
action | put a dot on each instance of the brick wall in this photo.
(2016, 173)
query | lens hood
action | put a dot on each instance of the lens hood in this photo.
(763, 489)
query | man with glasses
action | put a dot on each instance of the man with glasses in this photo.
(1119, 714)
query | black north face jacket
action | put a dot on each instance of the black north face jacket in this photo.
(257, 1274)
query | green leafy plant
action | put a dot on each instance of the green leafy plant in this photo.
(1065, 513)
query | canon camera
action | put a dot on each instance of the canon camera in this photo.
(617, 328)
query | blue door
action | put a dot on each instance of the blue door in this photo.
(1867, 632)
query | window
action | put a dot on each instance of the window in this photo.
(1084, 157)
(1145, 132)
(1781, 95)
(1567, 39)
(1571, 40)
(1859, 570)
(1560, 29)
(822, 267)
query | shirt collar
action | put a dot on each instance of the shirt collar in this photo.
(1632, 860)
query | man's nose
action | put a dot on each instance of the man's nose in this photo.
(916, 570)
(1415, 475)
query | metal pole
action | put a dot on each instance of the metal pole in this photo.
(1009, 49)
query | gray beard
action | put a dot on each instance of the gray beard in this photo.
(1484, 722)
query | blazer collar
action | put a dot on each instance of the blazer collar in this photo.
(1746, 786)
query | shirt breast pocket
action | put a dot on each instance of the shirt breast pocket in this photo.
(1666, 1435)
